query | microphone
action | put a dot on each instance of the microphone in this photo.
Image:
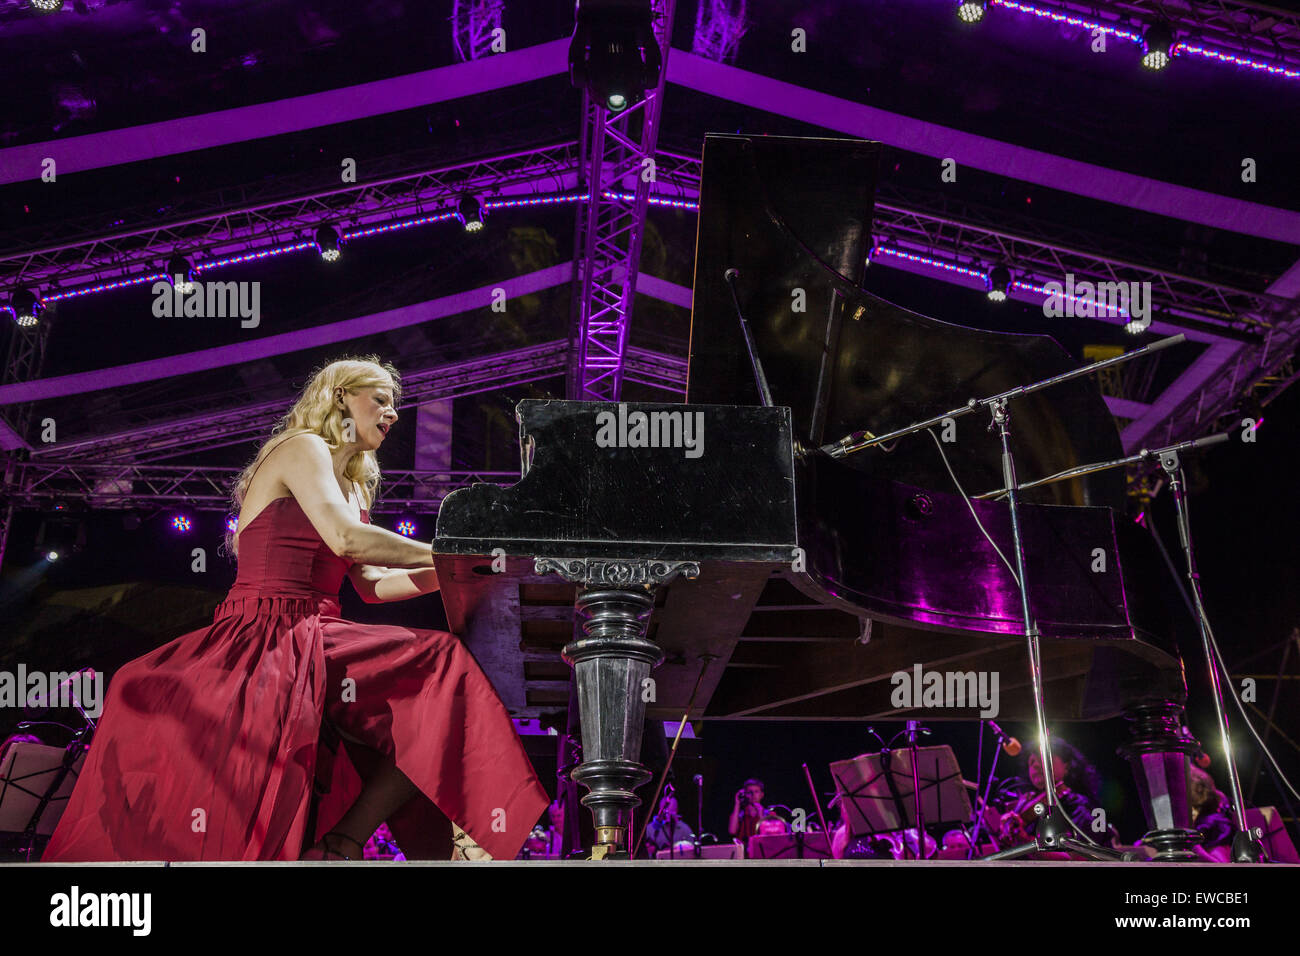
(1010, 745)
(731, 275)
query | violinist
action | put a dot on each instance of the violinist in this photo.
(1077, 783)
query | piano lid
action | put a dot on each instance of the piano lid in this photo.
(793, 215)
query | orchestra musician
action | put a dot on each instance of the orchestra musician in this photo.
(746, 811)
(667, 828)
(1077, 784)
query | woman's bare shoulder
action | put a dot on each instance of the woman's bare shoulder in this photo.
(304, 449)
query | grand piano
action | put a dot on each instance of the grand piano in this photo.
(706, 557)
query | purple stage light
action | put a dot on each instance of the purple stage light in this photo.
(1162, 57)
(1057, 17)
(393, 226)
(327, 241)
(181, 523)
(253, 256)
(470, 212)
(406, 527)
(1042, 290)
(547, 200)
(926, 260)
(25, 307)
(1196, 50)
(1156, 45)
(232, 522)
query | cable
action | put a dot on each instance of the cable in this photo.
(966, 498)
(1214, 646)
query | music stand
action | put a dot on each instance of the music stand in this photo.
(789, 846)
(878, 793)
(36, 781)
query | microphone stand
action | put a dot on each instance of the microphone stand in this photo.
(914, 728)
(699, 814)
(1246, 846)
(1001, 738)
(1053, 830)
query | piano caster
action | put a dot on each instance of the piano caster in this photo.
(611, 844)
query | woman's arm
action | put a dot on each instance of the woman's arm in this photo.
(308, 472)
(377, 585)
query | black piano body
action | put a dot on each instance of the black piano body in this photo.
(799, 585)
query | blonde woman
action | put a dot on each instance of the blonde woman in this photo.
(209, 746)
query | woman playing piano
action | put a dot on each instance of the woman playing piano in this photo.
(209, 746)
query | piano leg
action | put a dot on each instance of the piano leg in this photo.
(612, 664)
(1160, 753)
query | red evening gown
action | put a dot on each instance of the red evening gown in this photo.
(208, 746)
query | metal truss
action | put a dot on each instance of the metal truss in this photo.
(152, 436)
(133, 486)
(1230, 28)
(618, 156)
(24, 362)
(472, 25)
(656, 369)
(89, 253)
(1212, 307)
(719, 27)
(1240, 386)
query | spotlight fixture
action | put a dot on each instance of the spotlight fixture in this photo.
(181, 523)
(179, 273)
(327, 241)
(1134, 327)
(26, 307)
(971, 11)
(406, 527)
(470, 212)
(613, 54)
(1156, 44)
(998, 282)
(60, 536)
(232, 522)
(47, 6)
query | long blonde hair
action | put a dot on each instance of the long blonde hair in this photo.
(315, 412)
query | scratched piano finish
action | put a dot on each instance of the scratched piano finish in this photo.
(731, 508)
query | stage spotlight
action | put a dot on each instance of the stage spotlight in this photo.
(998, 282)
(179, 273)
(47, 6)
(327, 241)
(470, 212)
(613, 54)
(232, 522)
(60, 536)
(1156, 44)
(406, 527)
(26, 308)
(971, 11)
(181, 524)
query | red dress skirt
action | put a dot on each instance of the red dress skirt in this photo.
(208, 746)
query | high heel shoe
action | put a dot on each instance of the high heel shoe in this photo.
(324, 851)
